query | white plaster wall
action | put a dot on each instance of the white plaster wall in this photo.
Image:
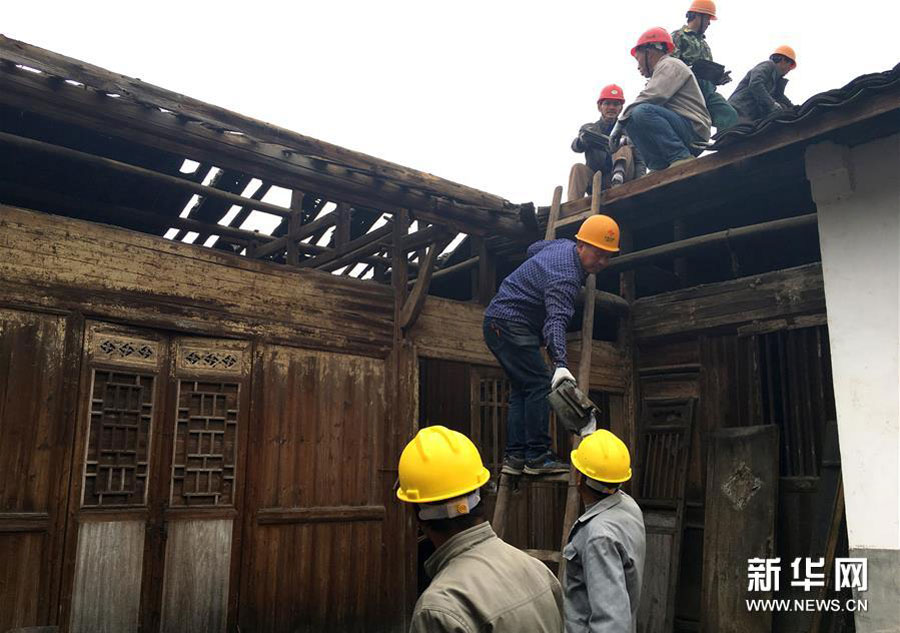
(857, 192)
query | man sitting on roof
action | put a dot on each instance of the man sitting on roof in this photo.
(691, 48)
(668, 121)
(593, 141)
(761, 92)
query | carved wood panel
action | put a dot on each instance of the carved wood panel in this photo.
(116, 466)
(205, 444)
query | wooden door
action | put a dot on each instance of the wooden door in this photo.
(156, 482)
(35, 451)
(121, 410)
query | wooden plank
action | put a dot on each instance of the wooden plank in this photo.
(726, 305)
(301, 233)
(325, 514)
(352, 251)
(195, 594)
(553, 218)
(414, 303)
(65, 263)
(741, 494)
(108, 577)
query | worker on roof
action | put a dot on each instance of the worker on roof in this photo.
(593, 141)
(691, 48)
(534, 305)
(478, 582)
(761, 91)
(605, 548)
(668, 121)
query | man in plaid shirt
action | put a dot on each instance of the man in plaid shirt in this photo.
(533, 305)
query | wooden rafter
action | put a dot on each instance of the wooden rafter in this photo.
(414, 303)
(352, 252)
(250, 147)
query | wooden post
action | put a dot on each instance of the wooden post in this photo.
(293, 252)
(573, 500)
(487, 273)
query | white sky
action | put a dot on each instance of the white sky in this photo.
(489, 94)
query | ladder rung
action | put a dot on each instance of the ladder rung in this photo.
(545, 555)
(572, 219)
(562, 478)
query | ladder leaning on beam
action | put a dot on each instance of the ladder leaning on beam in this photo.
(508, 482)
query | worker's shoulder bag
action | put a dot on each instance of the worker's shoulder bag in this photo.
(573, 409)
(708, 70)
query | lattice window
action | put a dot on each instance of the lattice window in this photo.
(116, 468)
(205, 444)
(493, 404)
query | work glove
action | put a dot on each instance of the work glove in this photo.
(561, 374)
(724, 78)
(615, 136)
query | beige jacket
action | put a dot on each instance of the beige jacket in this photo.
(674, 86)
(480, 583)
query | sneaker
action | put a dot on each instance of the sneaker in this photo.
(549, 464)
(512, 465)
(617, 179)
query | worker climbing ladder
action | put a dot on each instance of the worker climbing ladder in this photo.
(510, 482)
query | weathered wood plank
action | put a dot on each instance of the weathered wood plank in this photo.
(108, 577)
(324, 514)
(195, 595)
(64, 263)
(741, 494)
(729, 304)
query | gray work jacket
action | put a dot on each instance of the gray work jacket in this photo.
(605, 567)
(760, 93)
(480, 583)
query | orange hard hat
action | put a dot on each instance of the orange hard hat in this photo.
(600, 231)
(704, 6)
(612, 92)
(786, 51)
(656, 35)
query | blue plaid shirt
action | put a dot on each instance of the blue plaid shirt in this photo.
(541, 293)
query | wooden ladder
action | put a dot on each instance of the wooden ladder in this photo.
(509, 482)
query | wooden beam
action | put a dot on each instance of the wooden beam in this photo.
(275, 163)
(422, 238)
(302, 233)
(294, 224)
(412, 307)
(354, 251)
(449, 270)
(701, 242)
(487, 273)
(220, 119)
(553, 218)
(325, 514)
(133, 170)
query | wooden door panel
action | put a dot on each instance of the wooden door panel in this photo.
(35, 446)
(198, 560)
(314, 538)
(107, 594)
(121, 401)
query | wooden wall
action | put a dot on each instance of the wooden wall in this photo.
(318, 400)
(749, 352)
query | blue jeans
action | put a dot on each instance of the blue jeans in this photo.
(518, 351)
(660, 135)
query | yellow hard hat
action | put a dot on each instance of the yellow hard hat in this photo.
(439, 463)
(786, 51)
(604, 457)
(600, 231)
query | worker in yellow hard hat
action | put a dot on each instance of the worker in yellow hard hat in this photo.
(761, 92)
(692, 48)
(533, 306)
(606, 545)
(478, 582)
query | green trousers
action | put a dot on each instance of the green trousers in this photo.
(720, 111)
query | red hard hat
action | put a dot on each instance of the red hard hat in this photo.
(656, 35)
(612, 92)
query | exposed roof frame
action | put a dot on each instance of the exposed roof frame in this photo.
(155, 117)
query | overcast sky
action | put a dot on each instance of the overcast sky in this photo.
(489, 94)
